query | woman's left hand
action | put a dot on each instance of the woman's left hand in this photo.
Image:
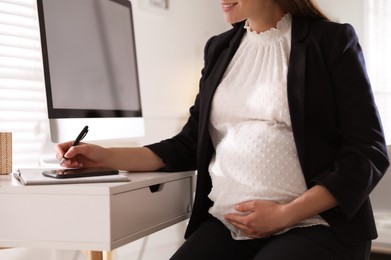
(259, 218)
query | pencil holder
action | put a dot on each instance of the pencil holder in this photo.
(5, 153)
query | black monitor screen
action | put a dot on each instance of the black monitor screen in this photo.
(89, 58)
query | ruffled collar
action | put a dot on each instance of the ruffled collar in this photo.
(283, 26)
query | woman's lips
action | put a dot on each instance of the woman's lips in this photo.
(227, 6)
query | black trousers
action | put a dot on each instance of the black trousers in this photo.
(213, 241)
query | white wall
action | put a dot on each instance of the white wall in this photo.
(348, 11)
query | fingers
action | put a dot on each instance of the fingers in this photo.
(83, 155)
(66, 150)
(61, 149)
(245, 209)
(83, 149)
(73, 151)
(247, 225)
(246, 206)
(237, 223)
(72, 164)
(237, 220)
(244, 219)
(257, 218)
(243, 223)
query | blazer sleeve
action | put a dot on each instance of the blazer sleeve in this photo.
(362, 158)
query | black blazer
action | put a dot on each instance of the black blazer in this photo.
(336, 126)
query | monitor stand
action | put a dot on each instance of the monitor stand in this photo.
(48, 155)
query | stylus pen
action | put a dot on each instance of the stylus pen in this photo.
(82, 134)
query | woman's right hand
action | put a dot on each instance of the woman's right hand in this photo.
(82, 155)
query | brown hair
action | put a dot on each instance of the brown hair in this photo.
(303, 8)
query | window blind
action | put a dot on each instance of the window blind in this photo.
(379, 58)
(22, 96)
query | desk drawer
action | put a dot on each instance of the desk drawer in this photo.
(153, 207)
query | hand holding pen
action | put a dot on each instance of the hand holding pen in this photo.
(82, 134)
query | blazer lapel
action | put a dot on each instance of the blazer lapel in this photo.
(296, 83)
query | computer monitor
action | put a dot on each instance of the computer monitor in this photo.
(90, 69)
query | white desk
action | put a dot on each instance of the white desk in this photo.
(92, 217)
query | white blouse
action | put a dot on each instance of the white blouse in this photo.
(250, 127)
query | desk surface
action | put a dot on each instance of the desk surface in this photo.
(9, 184)
(98, 216)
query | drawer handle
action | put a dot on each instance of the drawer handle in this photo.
(156, 188)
